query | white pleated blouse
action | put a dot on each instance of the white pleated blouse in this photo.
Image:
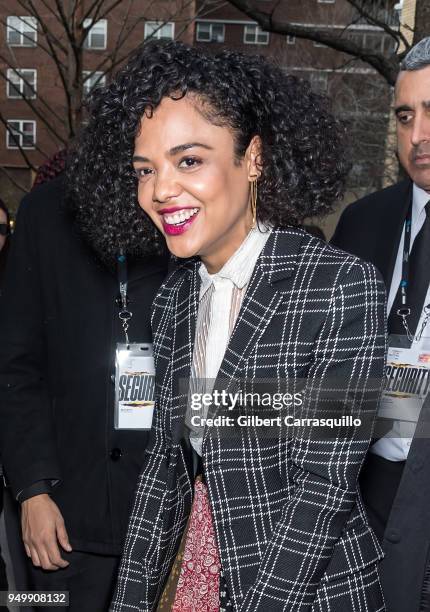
(220, 300)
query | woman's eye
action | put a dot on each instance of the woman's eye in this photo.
(189, 162)
(143, 173)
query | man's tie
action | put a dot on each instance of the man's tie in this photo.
(418, 281)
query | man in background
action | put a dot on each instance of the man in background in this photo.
(391, 229)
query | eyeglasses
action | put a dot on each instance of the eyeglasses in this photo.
(4, 229)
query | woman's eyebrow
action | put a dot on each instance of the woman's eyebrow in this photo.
(188, 145)
(175, 150)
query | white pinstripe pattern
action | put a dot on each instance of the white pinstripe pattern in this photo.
(290, 526)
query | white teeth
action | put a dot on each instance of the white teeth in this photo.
(180, 216)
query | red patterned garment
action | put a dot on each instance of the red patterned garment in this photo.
(198, 584)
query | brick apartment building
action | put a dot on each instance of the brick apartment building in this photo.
(31, 130)
(359, 95)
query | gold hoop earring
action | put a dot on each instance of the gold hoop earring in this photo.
(253, 197)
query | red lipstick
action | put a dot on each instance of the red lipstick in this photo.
(180, 228)
(166, 211)
(176, 230)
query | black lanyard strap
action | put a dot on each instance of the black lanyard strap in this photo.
(405, 308)
(405, 311)
(125, 313)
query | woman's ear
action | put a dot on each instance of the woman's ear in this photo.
(254, 158)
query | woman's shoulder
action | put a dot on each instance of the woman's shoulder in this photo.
(314, 253)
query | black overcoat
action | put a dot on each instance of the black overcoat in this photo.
(58, 330)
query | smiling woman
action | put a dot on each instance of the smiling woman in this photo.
(301, 142)
(226, 155)
(196, 192)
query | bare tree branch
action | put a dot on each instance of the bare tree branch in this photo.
(28, 4)
(21, 149)
(386, 66)
(107, 11)
(33, 107)
(112, 58)
(422, 20)
(64, 20)
(13, 180)
(95, 6)
(122, 34)
(40, 98)
(25, 36)
(51, 10)
(396, 34)
(61, 35)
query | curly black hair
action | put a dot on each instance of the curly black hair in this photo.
(303, 145)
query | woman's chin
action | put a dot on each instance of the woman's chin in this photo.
(183, 251)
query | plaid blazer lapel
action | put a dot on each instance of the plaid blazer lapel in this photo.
(272, 277)
(184, 328)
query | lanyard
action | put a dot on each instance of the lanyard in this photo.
(124, 313)
(404, 311)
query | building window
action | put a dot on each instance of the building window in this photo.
(159, 30)
(390, 45)
(21, 133)
(375, 42)
(291, 40)
(254, 35)
(21, 83)
(97, 34)
(21, 31)
(92, 80)
(319, 82)
(210, 32)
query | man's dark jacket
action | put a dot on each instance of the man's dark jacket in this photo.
(58, 330)
(371, 228)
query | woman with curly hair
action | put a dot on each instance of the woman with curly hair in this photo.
(227, 155)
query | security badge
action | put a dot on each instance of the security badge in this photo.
(407, 380)
(134, 386)
(134, 369)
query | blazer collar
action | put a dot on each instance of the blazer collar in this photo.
(240, 266)
(278, 259)
(271, 278)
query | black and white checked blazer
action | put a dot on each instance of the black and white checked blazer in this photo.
(290, 524)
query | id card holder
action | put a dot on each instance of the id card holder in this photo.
(407, 379)
(400, 341)
(134, 386)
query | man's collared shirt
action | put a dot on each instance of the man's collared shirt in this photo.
(396, 444)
